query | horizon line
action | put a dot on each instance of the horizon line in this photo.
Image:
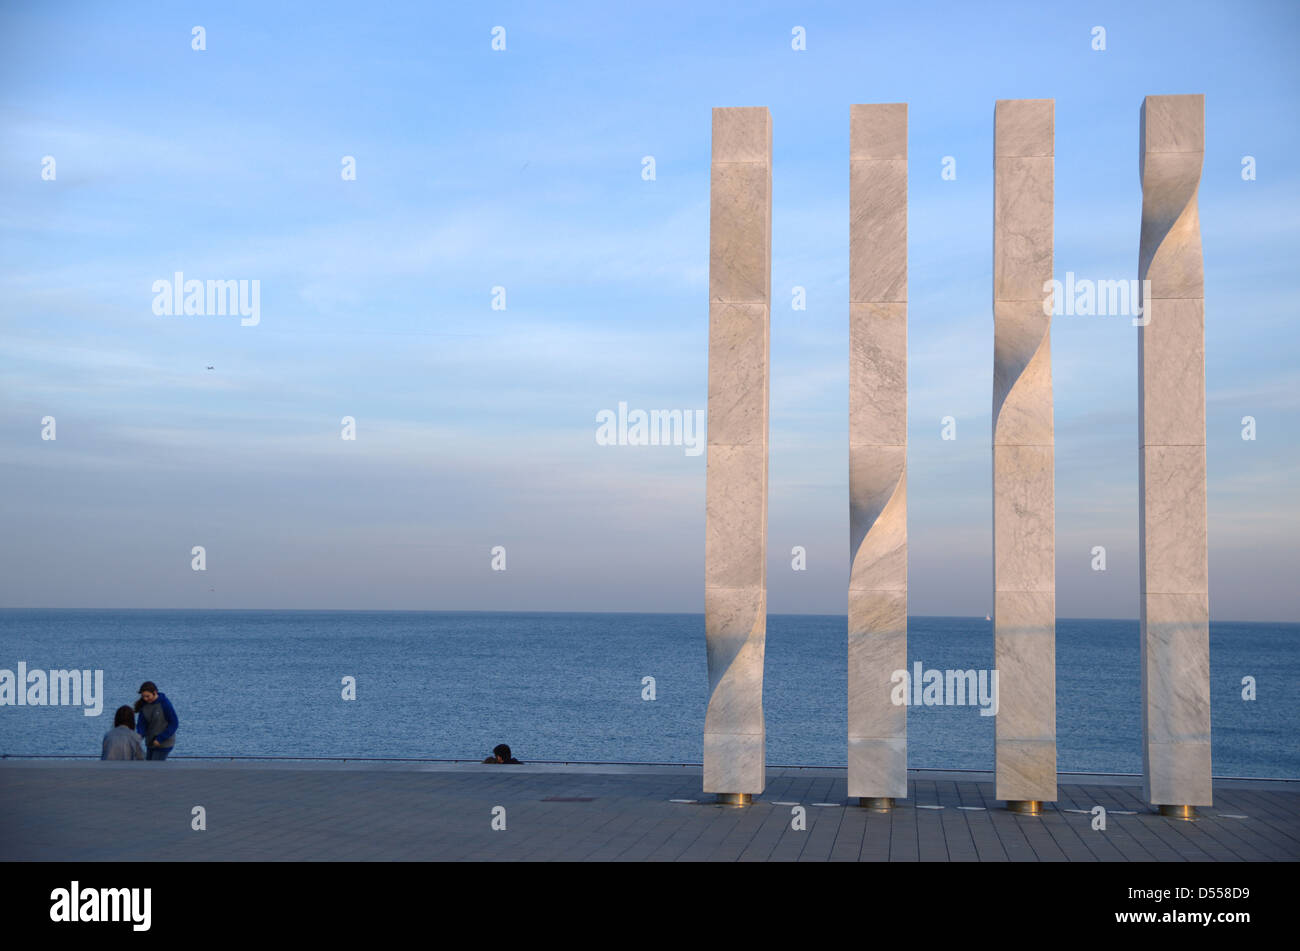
(700, 614)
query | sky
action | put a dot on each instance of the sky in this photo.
(502, 269)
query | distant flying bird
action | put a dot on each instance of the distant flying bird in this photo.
(211, 368)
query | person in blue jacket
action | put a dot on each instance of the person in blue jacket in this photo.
(156, 721)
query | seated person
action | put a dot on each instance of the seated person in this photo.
(501, 754)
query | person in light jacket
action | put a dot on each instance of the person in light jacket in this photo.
(156, 721)
(122, 742)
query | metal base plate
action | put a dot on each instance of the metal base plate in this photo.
(1025, 807)
(878, 803)
(735, 798)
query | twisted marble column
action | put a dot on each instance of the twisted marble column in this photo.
(735, 569)
(877, 635)
(1024, 521)
(1175, 612)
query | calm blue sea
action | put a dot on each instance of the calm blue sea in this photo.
(569, 686)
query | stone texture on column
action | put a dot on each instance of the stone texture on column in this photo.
(1024, 520)
(1175, 614)
(877, 625)
(735, 557)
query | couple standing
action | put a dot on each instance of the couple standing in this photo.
(154, 720)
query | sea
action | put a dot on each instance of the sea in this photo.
(599, 687)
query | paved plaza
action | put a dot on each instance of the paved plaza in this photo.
(78, 810)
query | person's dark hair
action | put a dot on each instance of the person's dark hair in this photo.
(147, 685)
(503, 751)
(125, 717)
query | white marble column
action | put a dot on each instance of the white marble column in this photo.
(1024, 521)
(1171, 396)
(877, 633)
(735, 569)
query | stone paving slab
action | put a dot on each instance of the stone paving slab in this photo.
(59, 810)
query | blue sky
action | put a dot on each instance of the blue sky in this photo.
(522, 169)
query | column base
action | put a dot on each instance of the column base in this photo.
(734, 799)
(1178, 812)
(1025, 807)
(876, 803)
